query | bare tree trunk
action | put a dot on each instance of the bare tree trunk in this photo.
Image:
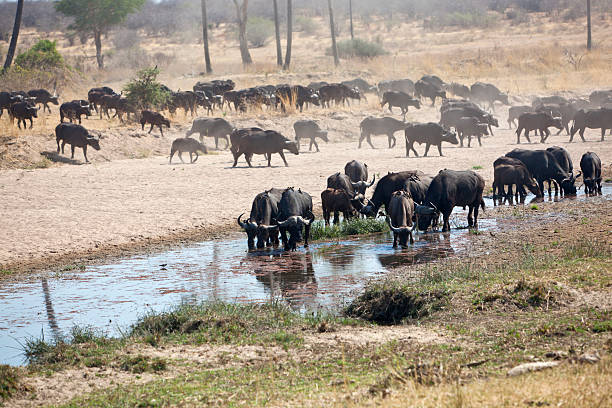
(589, 25)
(333, 33)
(98, 42)
(13, 46)
(241, 13)
(351, 18)
(205, 38)
(279, 51)
(289, 33)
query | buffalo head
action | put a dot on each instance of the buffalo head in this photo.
(294, 226)
(361, 186)
(93, 142)
(292, 147)
(250, 228)
(425, 215)
(403, 233)
(450, 137)
(568, 185)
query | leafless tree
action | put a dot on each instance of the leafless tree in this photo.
(241, 13)
(589, 25)
(351, 18)
(13, 45)
(333, 33)
(279, 51)
(289, 34)
(205, 38)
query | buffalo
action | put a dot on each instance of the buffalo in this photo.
(380, 126)
(447, 190)
(73, 110)
(543, 167)
(536, 121)
(590, 164)
(76, 136)
(515, 112)
(428, 133)
(212, 127)
(428, 90)
(401, 85)
(187, 144)
(22, 111)
(263, 142)
(155, 119)
(262, 219)
(509, 175)
(401, 100)
(487, 93)
(43, 97)
(592, 119)
(294, 214)
(471, 126)
(401, 209)
(309, 129)
(412, 181)
(336, 201)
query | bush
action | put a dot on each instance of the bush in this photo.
(306, 25)
(43, 55)
(358, 48)
(145, 91)
(259, 30)
(9, 382)
(125, 39)
(463, 20)
(133, 58)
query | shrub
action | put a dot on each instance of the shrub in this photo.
(259, 30)
(134, 58)
(358, 48)
(125, 39)
(306, 25)
(145, 91)
(464, 20)
(43, 55)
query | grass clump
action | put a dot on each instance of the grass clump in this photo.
(259, 30)
(460, 20)
(140, 364)
(392, 302)
(355, 226)
(219, 323)
(43, 55)
(358, 48)
(9, 382)
(145, 91)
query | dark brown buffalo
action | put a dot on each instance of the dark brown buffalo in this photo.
(542, 166)
(399, 99)
(515, 112)
(401, 210)
(447, 190)
(428, 90)
(212, 127)
(413, 181)
(264, 142)
(7, 99)
(294, 215)
(481, 92)
(590, 164)
(76, 136)
(187, 144)
(237, 135)
(155, 119)
(22, 111)
(94, 95)
(428, 133)
(336, 201)
(73, 110)
(471, 126)
(451, 113)
(44, 98)
(356, 170)
(309, 129)
(536, 121)
(592, 119)
(380, 126)
(509, 175)
(262, 219)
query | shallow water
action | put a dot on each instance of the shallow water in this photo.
(110, 297)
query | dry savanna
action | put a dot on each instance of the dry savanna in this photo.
(521, 317)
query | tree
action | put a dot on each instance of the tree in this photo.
(13, 46)
(96, 17)
(351, 18)
(289, 33)
(279, 51)
(241, 13)
(589, 25)
(333, 33)
(205, 38)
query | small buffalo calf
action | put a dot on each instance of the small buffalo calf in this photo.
(336, 201)
(187, 144)
(155, 119)
(76, 136)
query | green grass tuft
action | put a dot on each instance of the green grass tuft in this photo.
(140, 364)
(355, 226)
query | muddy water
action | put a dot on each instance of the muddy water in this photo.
(112, 296)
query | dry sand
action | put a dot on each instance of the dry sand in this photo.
(72, 212)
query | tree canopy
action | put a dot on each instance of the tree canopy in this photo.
(97, 15)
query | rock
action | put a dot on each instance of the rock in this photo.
(529, 367)
(590, 358)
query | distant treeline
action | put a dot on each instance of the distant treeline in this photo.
(168, 17)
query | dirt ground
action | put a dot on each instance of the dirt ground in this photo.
(67, 212)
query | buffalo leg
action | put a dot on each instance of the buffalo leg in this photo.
(316, 145)
(326, 216)
(236, 156)
(440, 149)
(518, 135)
(161, 130)
(392, 141)
(527, 136)
(150, 130)
(63, 144)
(32, 124)
(426, 149)
(283, 234)
(216, 142)
(479, 136)
(369, 140)
(361, 140)
(446, 226)
(409, 147)
(171, 155)
(603, 132)
(196, 157)
(471, 209)
(248, 159)
(395, 240)
(310, 145)
(476, 216)
(72, 150)
(282, 155)
(84, 153)
(461, 140)
(306, 235)
(227, 142)
(581, 133)
(180, 155)
(190, 157)
(336, 217)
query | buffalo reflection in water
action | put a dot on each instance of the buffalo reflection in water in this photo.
(436, 246)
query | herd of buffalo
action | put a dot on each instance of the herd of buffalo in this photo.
(411, 198)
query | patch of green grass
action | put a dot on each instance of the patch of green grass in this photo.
(355, 226)
(73, 267)
(603, 326)
(358, 48)
(9, 382)
(534, 207)
(392, 302)
(478, 167)
(6, 272)
(140, 364)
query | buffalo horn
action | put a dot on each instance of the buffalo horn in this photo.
(424, 210)
(242, 224)
(372, 183)
(397, 229)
